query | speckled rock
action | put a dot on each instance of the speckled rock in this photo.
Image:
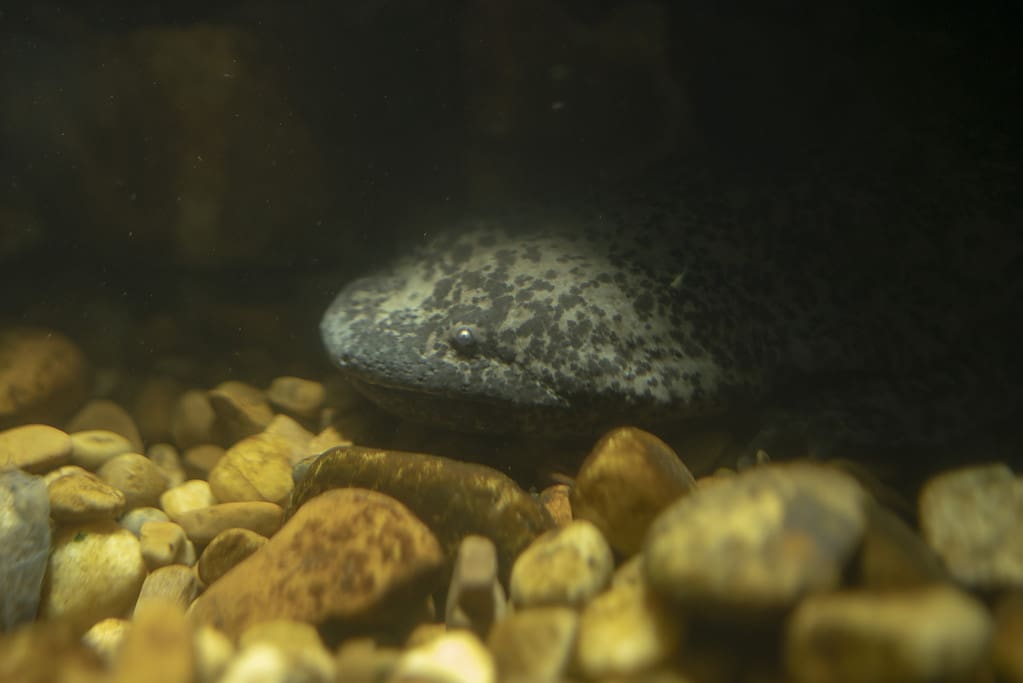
(43, 376)
(758, 540)
(227, 549)
(256, 468)
(200, 460)
(299, 644)
(971, 517)
(301, 398)
(137, 477)
(628, 478)
(158, 647)
(534, 644)
(476, 598)
(176, 583)
(204, 524)
(77, 495)
(490, 504)
(105, 638)
(565, 566)
(166, 457)
(34, 448)
(134, 519)
(101, 413)
(95, 572)
(926, 634)
(25, 540)
(90, 449)
(626, 630)
(241, 409)
(1007, 653)
(455, 657)
(194, 422)
(165, 543)
(348, 554)
(194, 494)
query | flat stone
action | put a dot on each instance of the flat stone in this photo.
(628, 478)
(77, 495)
(971, 518)
(565, 566)
(625, 631)
(158, 647)
(256, 468)
(44, 376)
(194, 494)
(134, 519)
(95, 572)
(204, 524)
(165, 543)
(90, 449)
(756, 541)
(166, 457)
(534, 644)
(489, 503)
(476, 598)
(101, 413)
(347, 554)
(924, 634)
(455, 657)
(25, 543)
(227, 549)
(175, 582)
(34, 448)
(200, 460)
(241, 409)
(298, 397)
(137, 477)
(194, 422)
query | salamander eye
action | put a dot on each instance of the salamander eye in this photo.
(464, 340)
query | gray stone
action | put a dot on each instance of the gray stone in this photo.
(25, 540)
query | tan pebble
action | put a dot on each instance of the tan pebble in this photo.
(455, 657)
(925, 634)
(534, 644)
(104, 414)
(137, 477)
(299, 397)
(134, 519)
(194, 494)
(166, 457)
(194, 421)
(565, 566)
(105, 638)
(154, 407)
(299, 642)
(34, 448)
(90, 449)
(627, 479)
(95, 572)
(328, 438)
(158, 648)
(255, 468)
(213, 653)
(241, 409)
(344, 554)
(204, 524)
(227, 549)
(200, 460)
(77, 495)
(555, 499)
(476, 598)
(175, 582)
(1007, 653)
(295, 435)
(163, 543)
(43, 376)
(363, 662)
(625, 631)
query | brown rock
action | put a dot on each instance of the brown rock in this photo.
(175, 582)
(297, 437)
(46, 651)
(241, 409)
(166, 457)
(137, 477)
(164, 543)
(1008, 655)
(347, 554)
(200, 460)
(158, 646)
(34, 448)
(204, 524)
(43, 376)
(77, 495)
(534, 644)
(301, 398)
(256, 468)
(565, 566)
(628, 478)
(556, 500)
(101, 413)
(225, 551)
(489, 503)
(194, 422)
(476, 598)
(154, 407)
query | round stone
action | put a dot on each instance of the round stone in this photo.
(43, 376)
(227, 549)
(255, 468)
(302, 398)
(101, 413)
(137, 477)
(565, 566)
(90, 449)
(194, 494)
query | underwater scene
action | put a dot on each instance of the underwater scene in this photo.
(487, 341)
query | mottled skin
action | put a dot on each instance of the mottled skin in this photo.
(646, 313)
